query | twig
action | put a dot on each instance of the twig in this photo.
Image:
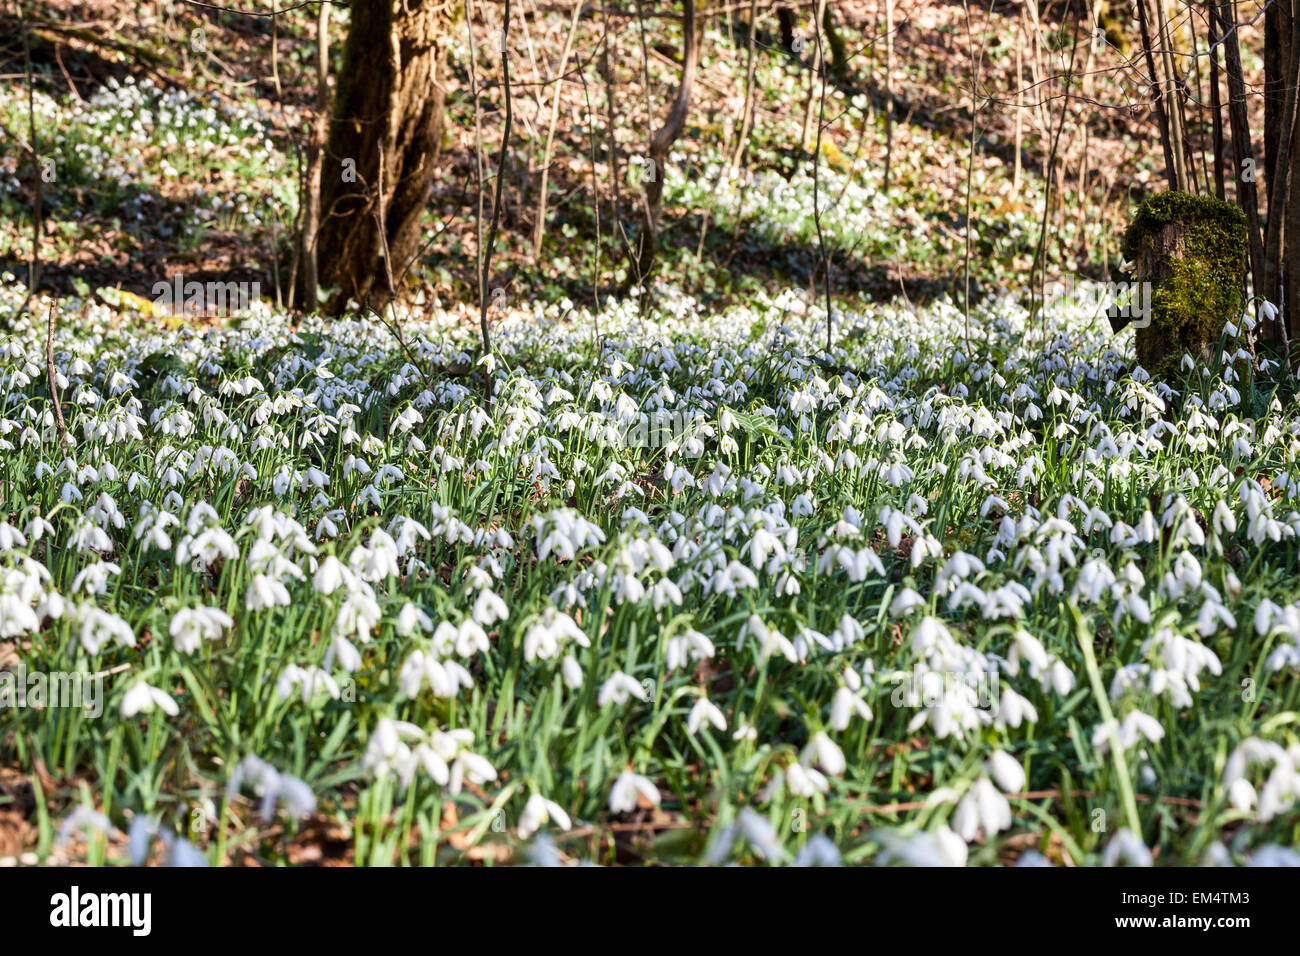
(595, 193)
(496, 198)
(259, 14)
(540, 226)
(54, 388)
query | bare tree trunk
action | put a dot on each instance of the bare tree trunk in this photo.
(34, 266)
(1279, 181)
(785, 17)
(539, 228)
(889, 97)
(1019, 136)
(1173, 101)
(315, 159)
(389, 99)
(1242, 156)
(662, 142)
(747, 111)
(1216, 107)
(1277, 36)
(1157, 98)
(617, 233)
(834, 43)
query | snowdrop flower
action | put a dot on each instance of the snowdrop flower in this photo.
(329, 575)
(628, 790)
(803, 781)
(1006, 770)
(571, 671)
(411, 620)
(770, 640)
(690, 646)
(265, 592)
(818, 851)
(488, 608)
(469, 766)
(982, 808)
(1025, 645)
(619, 688)
(845, 706)
(311, 680)
(98, 628)
(93, 579)
(1013, 710)
(823, 752)
(905, 601)
(272, 786)
(1241, 794)
(542, 852)
(755, 830)
(544, 638)
(1127, 848)
(1135, 727)
(942, 847)
(84, 821)
(537, 811)
(180, 852)
(1280, 789)
(705, 711)
(191, 626)
(1273, 856)
(142, 698)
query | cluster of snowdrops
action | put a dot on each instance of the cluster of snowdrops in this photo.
(949, 593)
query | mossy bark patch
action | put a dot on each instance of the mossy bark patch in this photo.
(1192, 249)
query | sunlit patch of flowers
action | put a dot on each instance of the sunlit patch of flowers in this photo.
(134, 146)
(900, 602)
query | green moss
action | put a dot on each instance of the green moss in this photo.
(1203, 287)
(1166, 208)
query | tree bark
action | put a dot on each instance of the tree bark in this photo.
(315, 159)
(660, 144)
(1163, 120)
(1276, 241)
(389, 104)
(1277, 43)
(1247, 192)
(785, 17)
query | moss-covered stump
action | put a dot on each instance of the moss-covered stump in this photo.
(1192, 249)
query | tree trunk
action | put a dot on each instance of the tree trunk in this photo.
(1280, 162)
(315, 159)
(660, 144)
(1244, 172)
(1216, 110)
(1163, 120)
(785, 17)
(389, 104)
(1277, 49)
(1189, 255)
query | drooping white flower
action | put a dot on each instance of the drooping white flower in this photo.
(142, 698)
(629, 789)
(539, 810)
